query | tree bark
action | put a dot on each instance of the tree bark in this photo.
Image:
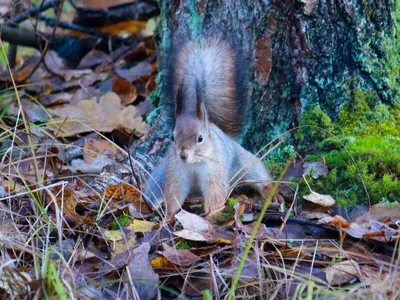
(299, 53)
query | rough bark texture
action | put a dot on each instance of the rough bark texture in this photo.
(299, 53)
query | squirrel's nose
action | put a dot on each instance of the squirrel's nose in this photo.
(184, 155)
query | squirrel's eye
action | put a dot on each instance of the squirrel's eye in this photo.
(200, 138)
(172, 138)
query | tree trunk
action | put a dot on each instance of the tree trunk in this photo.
(299, 53)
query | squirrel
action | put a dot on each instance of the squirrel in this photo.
(209, 95)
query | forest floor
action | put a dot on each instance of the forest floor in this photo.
(73, 223)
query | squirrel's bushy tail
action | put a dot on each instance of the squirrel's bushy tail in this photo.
(218, 68)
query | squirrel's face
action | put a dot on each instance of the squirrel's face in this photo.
(191, 139)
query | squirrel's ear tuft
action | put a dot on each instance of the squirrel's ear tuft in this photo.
(179, 101)
(200, 108)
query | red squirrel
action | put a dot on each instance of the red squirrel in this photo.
(204, 155)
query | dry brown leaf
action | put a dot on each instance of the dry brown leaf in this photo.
(131, 26)
(339, 222)
(93, 58)
(104, 115)
(124, 89)
(57, 65)
(65, 198)
(380, 211)
(123, 191)
(323, 200)
(134, 73)
(182, 258)
(140, 210)
(341, 273)
(95, 148)
(312, 215)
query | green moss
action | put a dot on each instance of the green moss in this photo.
(384, 69)
(121, 221)
(314, 126)
(362, 147)
(392, 44)
(195, 20)
(183, 245)
(227, 213)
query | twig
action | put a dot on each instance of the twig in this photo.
(34, 11)
(138, 10)
(46, 48)
(65, 25)
(24, 118)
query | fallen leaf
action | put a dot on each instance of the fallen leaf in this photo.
(193, 222)
(11, 186)
(123, 191)
(57, 65)
(56, 99)
(341, 273)
(141, 226)
(134, 73)
(182, 258)
(162, 263)
(323, 200)
(105, 115)
(34, 112)
(93, 58)
(99, 148)
(191, 235)
(141, 273)
(95, 167)
(131, 26)
(339, 222)
(380, 211)
(317, 169)
(128, 241)
(65, 198)
(312, 215)
(197, 228)
(124, 89)
(140, 210)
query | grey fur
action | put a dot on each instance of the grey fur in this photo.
(211, 64)
(226, 155)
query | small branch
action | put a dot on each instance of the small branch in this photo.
(21, 37)
(34, 11)
(140, 10)
(12, 49)
(65, 25)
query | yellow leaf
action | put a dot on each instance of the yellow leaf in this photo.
(161, 262)
(141, 226)
(114, 235)
(128, 242)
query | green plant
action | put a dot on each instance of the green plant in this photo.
(121, 221)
